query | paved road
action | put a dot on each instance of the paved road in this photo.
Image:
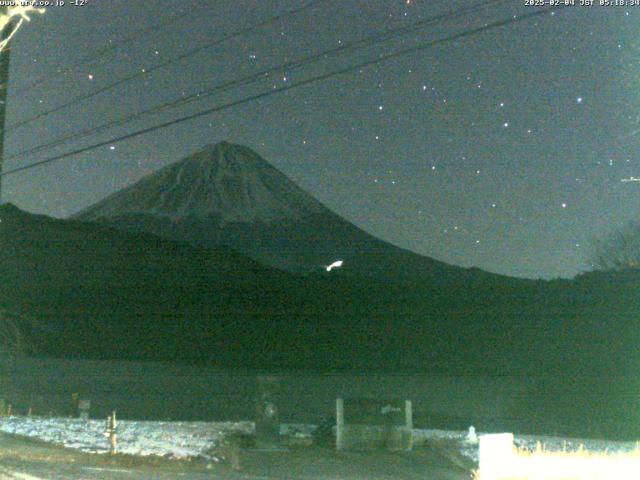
(41, 470)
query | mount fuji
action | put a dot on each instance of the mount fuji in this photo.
(227, 195)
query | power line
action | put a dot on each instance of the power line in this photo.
(268, 93)
(96, 54)
(252, 78)
(145, 72)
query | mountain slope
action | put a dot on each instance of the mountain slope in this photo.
(105, 252)
(104, 293)
(228, 195)
(224, 182)
(100, 292)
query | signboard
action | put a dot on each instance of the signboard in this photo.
(363, 423)
(371, 411)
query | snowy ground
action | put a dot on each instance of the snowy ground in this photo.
(470, 448)
(193, 439)
(168, 439)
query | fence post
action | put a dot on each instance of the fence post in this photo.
(408, 417)
(339, 424)
(112, 432)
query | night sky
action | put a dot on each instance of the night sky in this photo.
(505, 150)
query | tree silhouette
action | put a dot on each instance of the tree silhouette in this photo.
(619, 250)
(12, 340)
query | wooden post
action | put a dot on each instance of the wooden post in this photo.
(408, 420)
(339, 424)
(408, 414)
(112, 432)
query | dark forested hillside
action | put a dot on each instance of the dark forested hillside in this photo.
(100, 292)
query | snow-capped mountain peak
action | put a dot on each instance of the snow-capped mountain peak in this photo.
(225, 181)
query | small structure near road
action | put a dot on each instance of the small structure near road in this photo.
(374, 423)
(84, 405)
(267, 412)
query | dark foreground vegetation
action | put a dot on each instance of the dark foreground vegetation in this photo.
(86, 291)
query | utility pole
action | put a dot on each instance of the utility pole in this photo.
(4, 85)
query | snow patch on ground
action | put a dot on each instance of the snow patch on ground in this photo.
(528, 442)
(168, 439)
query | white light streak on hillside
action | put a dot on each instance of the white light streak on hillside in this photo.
(336, 264)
